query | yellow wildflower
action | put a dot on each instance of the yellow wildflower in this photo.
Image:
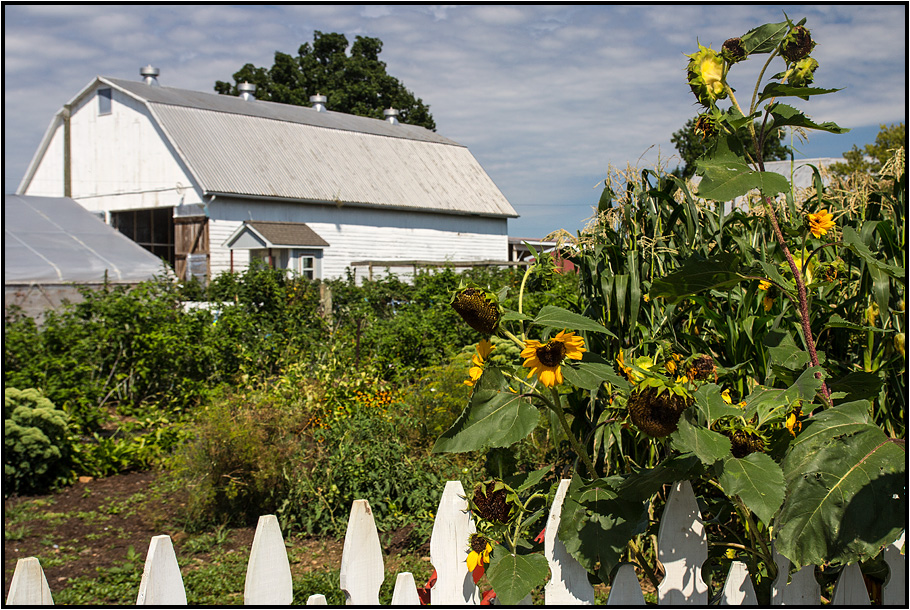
(820, 223)
(793, 424)
(726, 396)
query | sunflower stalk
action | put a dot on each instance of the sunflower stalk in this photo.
(556, 407)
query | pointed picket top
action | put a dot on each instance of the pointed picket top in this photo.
(802, 590)
(362, 567)
(682, 548)
(850, 590)
(449, 549)
(625, 589)
(405, 592)
(738, 589)
(29, 585)
(162, 584)
(317, 599)
(268, 573)
(569, 582)
(894, 590)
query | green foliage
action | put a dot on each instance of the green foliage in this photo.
(872, 157)
(355, 83)
(37, 448)
(691, 145)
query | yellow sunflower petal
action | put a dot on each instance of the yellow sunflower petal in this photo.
(473, 560)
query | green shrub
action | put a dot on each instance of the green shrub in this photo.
(36, 442)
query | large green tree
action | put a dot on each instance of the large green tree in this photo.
(872, 156)
(691, 144)
(354, 83)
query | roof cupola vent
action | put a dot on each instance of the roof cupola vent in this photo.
(149, 75)
(318, 102)
(247, 91)
(391, 115)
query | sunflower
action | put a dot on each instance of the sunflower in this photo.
(483, 352)
(480, 552)
(545, 359)
(793, 423)
(820, 223)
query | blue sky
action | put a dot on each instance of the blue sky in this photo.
(547, 98)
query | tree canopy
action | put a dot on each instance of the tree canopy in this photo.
(872, 156)
(692, 145)
(355, 83)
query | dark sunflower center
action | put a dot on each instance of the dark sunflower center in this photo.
(478, 543)
(552, 353)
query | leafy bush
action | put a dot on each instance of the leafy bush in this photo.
(36, 442)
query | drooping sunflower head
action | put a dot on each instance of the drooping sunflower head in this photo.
(733, 51)
(706, 126)
(797, 45)
(703, 368)
(545, 359)
(706, 76)
(656, 413)
(491, 502)
(802, 73)
(744, 442)
(479, 308)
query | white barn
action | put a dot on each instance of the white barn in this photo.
(209, 181)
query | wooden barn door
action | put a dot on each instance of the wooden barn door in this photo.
(191, 247)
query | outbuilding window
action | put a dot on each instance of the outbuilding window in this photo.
(104, 101)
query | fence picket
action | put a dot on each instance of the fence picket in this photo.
(738, 589)
(162, 584)
(801, 590)
(362, 568)
(850, 590)
(29, 585)
(405, 592)
(625, 589)
(449, 549)
(895, 588)
(268, 573)
(317, 599)
(569, 582)
(682, 548)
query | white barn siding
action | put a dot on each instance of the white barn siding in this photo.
(119, 161)
(220, 257)
(357, 234)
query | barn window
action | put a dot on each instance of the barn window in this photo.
(104, 101)
(152, 229)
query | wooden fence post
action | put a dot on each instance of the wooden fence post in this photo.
(317, 599)
(362, 568)
(682, 548)
(569, 582)
(449, 549)
(625, 590)
(738, 589)
(268, 573)
(29, 585)
(405, 593)
(162, 584)
(802, 590)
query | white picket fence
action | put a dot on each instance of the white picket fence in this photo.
(682, 549)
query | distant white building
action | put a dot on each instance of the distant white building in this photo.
(209, 182)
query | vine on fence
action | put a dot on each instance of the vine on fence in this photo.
(694, 354)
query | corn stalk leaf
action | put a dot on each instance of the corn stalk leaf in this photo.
(696, 275)
(846, 489)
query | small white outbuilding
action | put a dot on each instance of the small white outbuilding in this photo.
(194, 177)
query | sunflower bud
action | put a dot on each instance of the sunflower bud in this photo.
(802, 73)
(872, 314)
(478, 308)
(797, 45)
(742, 443)
(899, 343)
(706, 76)
(732, 50)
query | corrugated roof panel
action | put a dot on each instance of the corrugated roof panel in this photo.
(256, 156)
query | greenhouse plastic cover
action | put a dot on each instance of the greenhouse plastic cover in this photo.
(54, 240)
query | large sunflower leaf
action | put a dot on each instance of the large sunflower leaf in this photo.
(697, 275)
(495, 417)
(514, 576)
(773, 89)
(563, 319)
(764, 38)
(757, 480)
(708, 445)
(784, 115)
(846, 489)
(725, 181)
(591, 372)
(597, 523)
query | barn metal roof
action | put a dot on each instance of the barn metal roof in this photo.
(54, 240)
(263, 149)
